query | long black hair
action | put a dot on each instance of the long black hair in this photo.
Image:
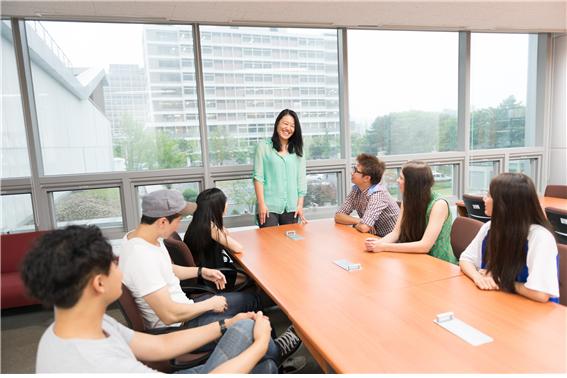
(210, 209)
(295, 144)
(418, 180)
(515, 207)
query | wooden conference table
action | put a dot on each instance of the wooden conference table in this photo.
(560, 203)
(380, 319)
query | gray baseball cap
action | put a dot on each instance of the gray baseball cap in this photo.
(165, 202)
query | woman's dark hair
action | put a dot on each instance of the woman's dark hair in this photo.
(210, 209)
(515, 207)
(295, 141)
(59, 267)
(418, 180)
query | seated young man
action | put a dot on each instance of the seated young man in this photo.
(155, 281)
(376, 209)
(75, 271)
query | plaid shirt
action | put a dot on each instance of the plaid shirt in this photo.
(374, 206)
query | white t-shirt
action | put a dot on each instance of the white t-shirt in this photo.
(109, 355)
(146, 269)
(541, 260)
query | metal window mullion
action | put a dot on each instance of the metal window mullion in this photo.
(544, 88)
(464, 96)
(42, 215)
(130, 214)
(200, 87)
(345, 139)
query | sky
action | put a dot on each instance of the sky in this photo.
(389, 71)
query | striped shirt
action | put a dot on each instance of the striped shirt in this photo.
(375, 207)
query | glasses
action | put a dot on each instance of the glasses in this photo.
(354, 170)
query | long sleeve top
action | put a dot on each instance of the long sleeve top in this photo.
(283, 177)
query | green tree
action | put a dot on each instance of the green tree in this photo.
(168, 153)
(241, 193)
(320, 194)
(222, 145)
(447, 132)
(136, 147)
(500, 127)
(323, 146)
(190, 195)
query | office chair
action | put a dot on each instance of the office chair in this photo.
(558, 219)
(562, 249)
(134, 319)
(463, 232)
(475, 207)
(181, 255)
(558, 191)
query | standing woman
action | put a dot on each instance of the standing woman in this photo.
(515, 251)
(424, 224)
(279, 173)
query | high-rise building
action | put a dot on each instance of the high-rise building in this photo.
(250, 75)
(125, 97)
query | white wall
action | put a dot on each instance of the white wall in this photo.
(75, 136)
(558, 146)
(14, 148)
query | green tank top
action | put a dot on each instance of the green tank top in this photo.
(442, 248)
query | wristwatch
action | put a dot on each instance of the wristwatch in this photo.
(222, 326)
(200, 272)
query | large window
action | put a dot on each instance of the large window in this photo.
(15, 161)
(111, 97)
(528, 166)
(480, 175)
(100, 207)
(251, 74)
(402, 91)
(241, 197)
(444, 175)
(321, 190)
(117, 110)
(190, 190)
(501, 67)
(17, 213)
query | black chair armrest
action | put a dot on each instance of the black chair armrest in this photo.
(241, 286)
(197, 289)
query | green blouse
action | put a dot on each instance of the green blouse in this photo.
(442, 248)
(283, 177)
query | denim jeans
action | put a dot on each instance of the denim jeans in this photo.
(237, 302)
(236, 339)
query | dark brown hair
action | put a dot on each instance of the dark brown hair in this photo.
(372, 166)
(515, 207)
(417, 194)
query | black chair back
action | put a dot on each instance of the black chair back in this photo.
(475, 207)
(558, 219)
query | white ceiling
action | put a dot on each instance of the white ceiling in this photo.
(483, 15)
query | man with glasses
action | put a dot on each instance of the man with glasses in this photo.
(377, 211)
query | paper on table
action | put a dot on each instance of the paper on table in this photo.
(461, 329)
(347, 265)
(293, 235)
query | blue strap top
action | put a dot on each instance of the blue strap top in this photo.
(523, 275)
